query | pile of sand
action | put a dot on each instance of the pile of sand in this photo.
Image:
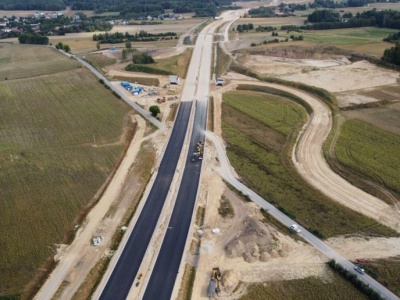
(255, 242)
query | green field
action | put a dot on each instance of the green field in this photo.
(99, 61)
(259, 129)
(177, 64)
(60, 138)
(25, 61)
(311, 288)
(371, 151)
(367, 40)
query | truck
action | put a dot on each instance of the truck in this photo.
(126, 85)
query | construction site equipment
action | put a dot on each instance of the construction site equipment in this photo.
(213, 285)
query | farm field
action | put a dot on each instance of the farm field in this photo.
(60, 138)
(333, 287)
(25, 61)
(99, 61)
(367, 40)
(370, 151)
(258, 152)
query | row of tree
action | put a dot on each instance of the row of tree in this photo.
(144, 36)
(393, 37)
(339, 4)
(32, 38)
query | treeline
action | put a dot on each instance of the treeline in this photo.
(134, 9)
(30, 38)
(244, 27)
(128, 9)
(328, 19)
(262, 12)
(334, 4)
(142, 36)
(32, 5)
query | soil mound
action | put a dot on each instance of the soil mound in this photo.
(255, 242)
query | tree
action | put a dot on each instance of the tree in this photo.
(128, 45)
(67, 49)
(154, 110)
(98, 45)
(392, 55)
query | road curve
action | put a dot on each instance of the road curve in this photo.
(310, 162)
(225, 170)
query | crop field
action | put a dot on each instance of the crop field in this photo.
(368, 150)
(311, 288)
(366, 40)
(258, 145)
(25, 61)
(60, 138)
(386, 117)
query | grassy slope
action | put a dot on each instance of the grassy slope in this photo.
(256, 148)
(370, 151)
(308, 288)
(25, 61)
(176, 65)
(49, 168)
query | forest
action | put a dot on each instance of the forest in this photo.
(128, 9)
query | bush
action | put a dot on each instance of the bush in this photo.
(360, 285)
(142, 58)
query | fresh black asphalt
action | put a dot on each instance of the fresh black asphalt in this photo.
(166, 269)
(126, 269)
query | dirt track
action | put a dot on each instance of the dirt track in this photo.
(309, 160)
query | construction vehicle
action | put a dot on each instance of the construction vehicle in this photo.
(213, 285)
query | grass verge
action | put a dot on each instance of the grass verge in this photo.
(311, 288)
(185, 291)
(139, 80)
(260, 130)
(353, 279)
(386, 271)
(174, 65)
(223, 62)
(210, 115)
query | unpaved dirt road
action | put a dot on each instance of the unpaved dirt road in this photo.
(310, 162)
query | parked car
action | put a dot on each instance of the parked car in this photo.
(295, 228)
(359, 270)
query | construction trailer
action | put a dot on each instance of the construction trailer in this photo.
(174, 79)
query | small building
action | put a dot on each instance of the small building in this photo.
(173, 79)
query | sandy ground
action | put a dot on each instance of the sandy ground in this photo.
(300, 260)
(336, 75)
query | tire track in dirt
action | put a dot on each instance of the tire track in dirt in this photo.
(309, 160)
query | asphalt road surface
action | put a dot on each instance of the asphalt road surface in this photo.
(165, 271)
(123, 275)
